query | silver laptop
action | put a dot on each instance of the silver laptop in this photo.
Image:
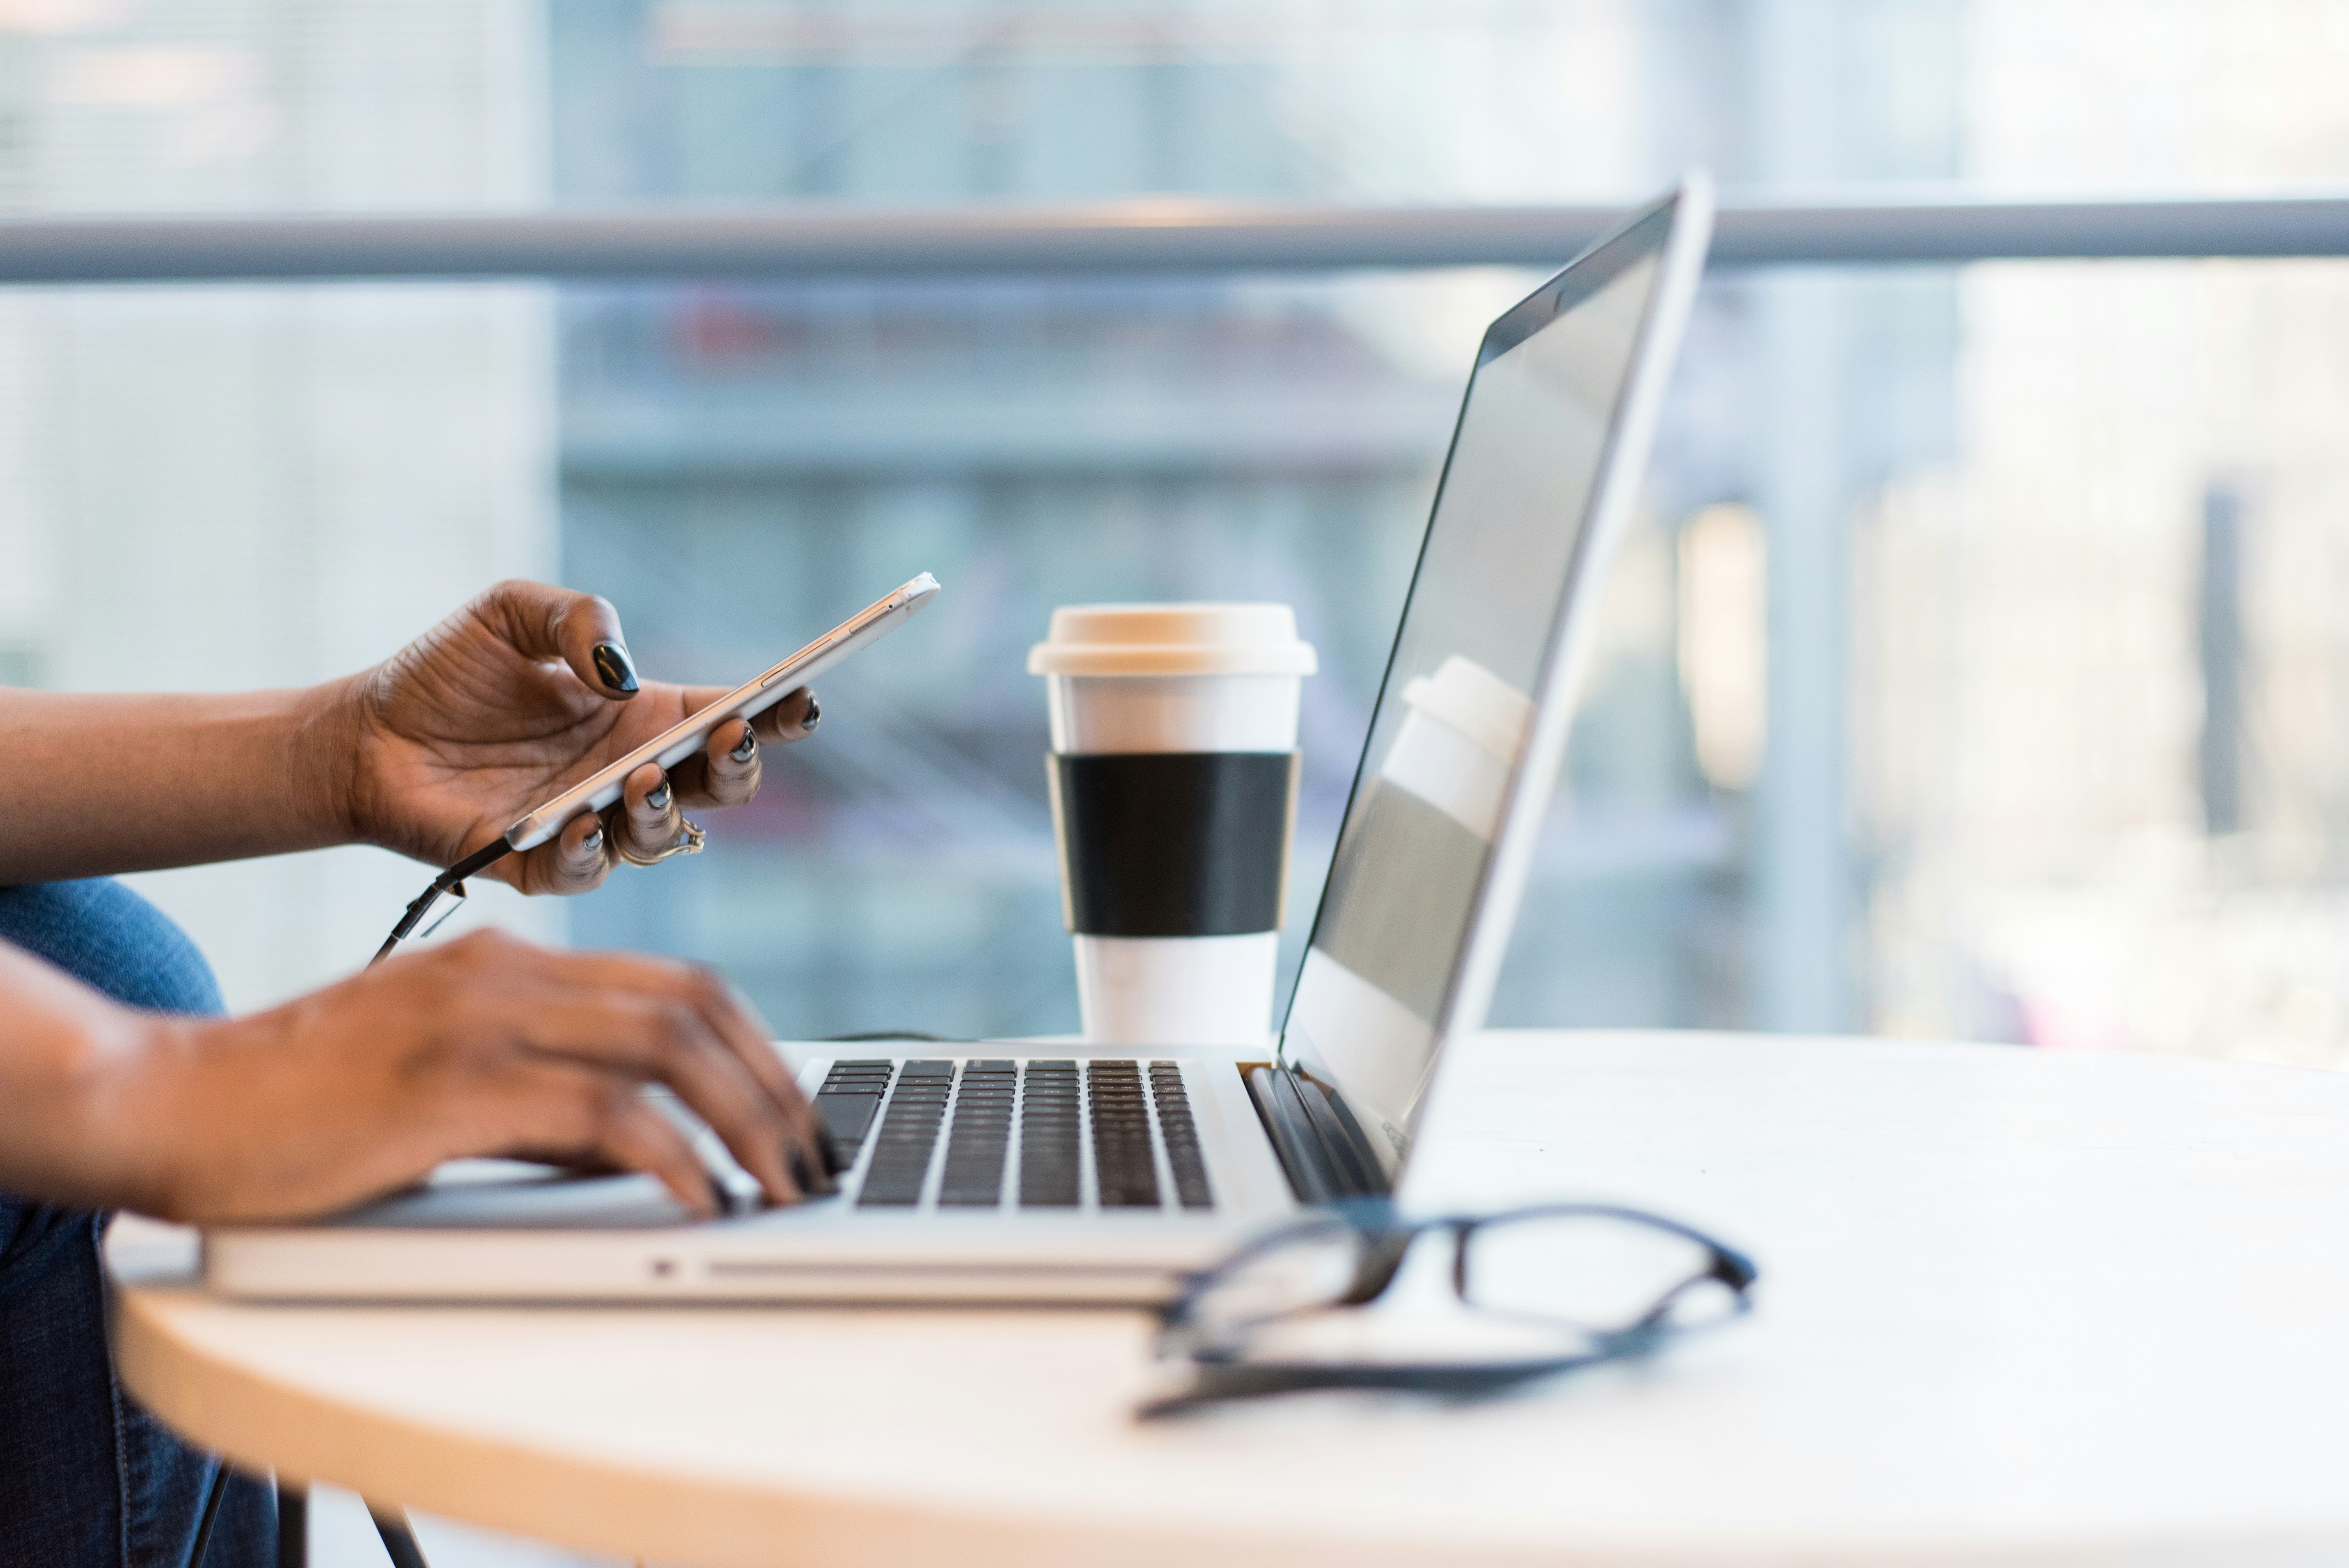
(1018, 1171)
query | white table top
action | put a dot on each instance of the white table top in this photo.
(2013, 1305)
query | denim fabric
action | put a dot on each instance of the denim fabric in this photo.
(85, 1475)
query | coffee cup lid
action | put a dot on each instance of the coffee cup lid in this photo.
(1173, 640)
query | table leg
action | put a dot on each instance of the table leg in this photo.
(399, 1541)
(292, 1527)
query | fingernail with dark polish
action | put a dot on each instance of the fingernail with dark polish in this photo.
(720, 1197)
(829, 1147)
(814, 1182)
(747, 750)
(613, 664)
(797, 1160)
(814, 712)
(659, 799)
(593, 842)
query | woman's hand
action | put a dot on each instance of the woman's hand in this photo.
(525, 690)
(483, 1046)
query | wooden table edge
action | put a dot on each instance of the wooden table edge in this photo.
(614, 1508)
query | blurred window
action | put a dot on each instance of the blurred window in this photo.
(1975, 673)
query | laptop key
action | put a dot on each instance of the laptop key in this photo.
(1049, 1137)
(850, 1093)
(1185, 1158)
(980, 1139)
(902, 1146)
(1124, 1171)
(846, 1116)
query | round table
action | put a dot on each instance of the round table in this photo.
(2014, 1305)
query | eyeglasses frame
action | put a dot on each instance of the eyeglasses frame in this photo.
(1225, 1373)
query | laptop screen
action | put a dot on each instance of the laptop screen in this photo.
(1503, 551)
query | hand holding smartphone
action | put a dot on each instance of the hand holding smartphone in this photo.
(673, 745)
(753, 696)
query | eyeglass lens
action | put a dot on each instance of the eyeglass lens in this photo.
(1309, 1267)
(1596, 1271)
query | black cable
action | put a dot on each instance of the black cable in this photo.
(398, 1540)
(210, 1516)
(451, 880)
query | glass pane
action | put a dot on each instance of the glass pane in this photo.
(1977, 673)
(231, 487)
(2100, 783)
(1888, 737)
(742, 467)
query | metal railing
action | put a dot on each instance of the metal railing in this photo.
(1136, 237)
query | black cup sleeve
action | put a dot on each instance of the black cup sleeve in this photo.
(1174, 843)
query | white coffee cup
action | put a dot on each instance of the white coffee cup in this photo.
(1174, 799)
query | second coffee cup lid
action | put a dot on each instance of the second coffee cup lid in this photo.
(1474, 701)
(1173, 640)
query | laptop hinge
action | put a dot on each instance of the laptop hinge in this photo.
(1321, 1147)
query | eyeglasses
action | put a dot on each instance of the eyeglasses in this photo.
(1546, 1289)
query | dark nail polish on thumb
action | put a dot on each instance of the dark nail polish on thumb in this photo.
(659, 799)
(619, 673)
(815, 713)
(593, 842)
(747, 749)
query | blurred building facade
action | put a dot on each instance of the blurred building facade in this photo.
(229, 487)
(2105, 765)
(1139, 440)
(1974, 673)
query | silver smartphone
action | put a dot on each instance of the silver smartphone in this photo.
(756, 696)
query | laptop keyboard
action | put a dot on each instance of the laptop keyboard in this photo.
(997, 1134)
(1050, 1146)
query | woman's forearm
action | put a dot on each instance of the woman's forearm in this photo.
(100, 784)
(63, 1046)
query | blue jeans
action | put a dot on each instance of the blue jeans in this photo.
(86, 1477)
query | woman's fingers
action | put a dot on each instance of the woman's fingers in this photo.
(590, 1115)
(789, 719)
(542, 622)
(727, 771)
(752, 1042)
(575, 859)
(651, 819)
(688, 1008)
(794, 719)
(730, 775)
(666, 1041)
